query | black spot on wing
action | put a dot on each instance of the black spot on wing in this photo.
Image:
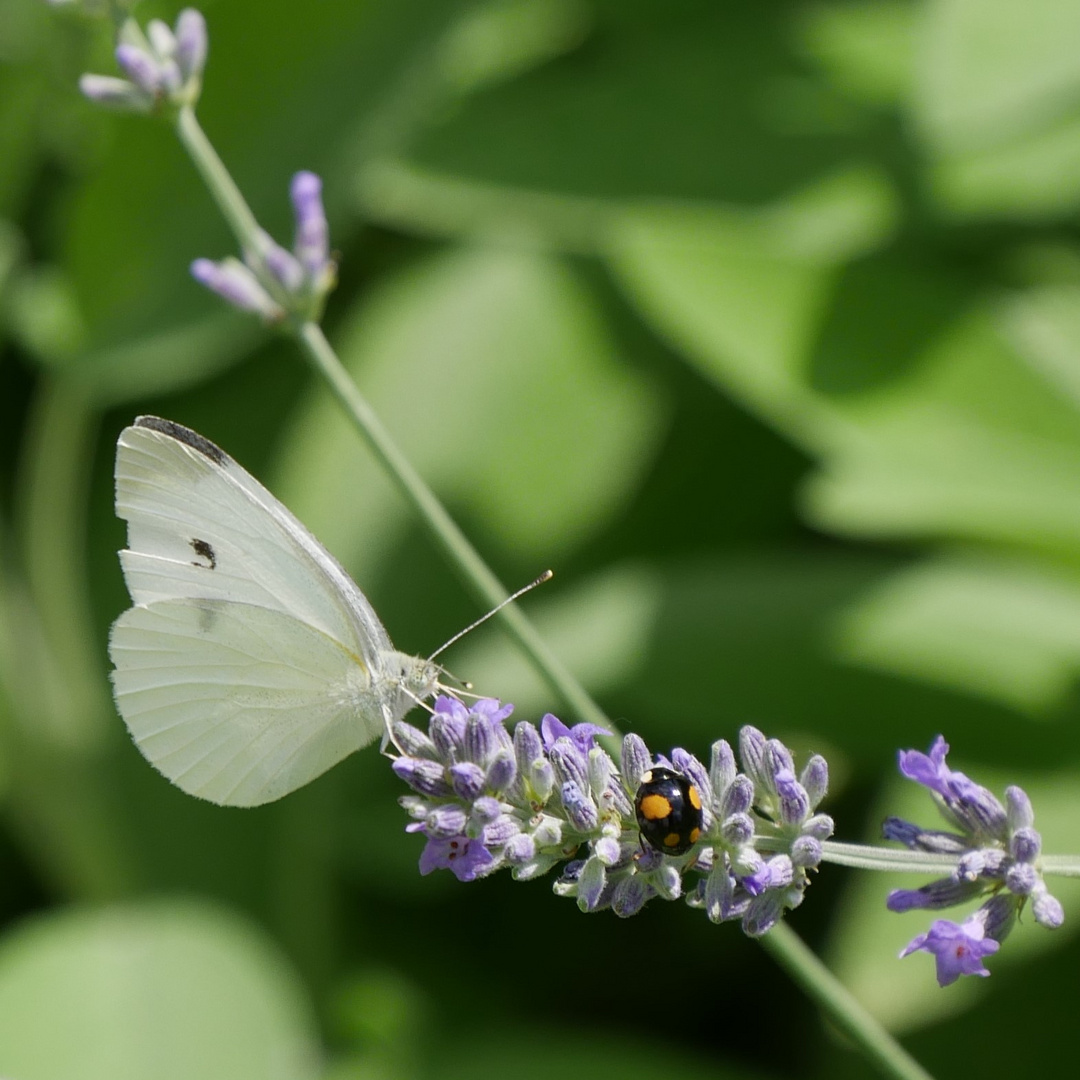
(204, 551)
(184, 435)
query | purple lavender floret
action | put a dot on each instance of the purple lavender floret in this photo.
(997, 851)
(958, 948)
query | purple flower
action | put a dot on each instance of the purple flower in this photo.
(930, 769)
(583, 736)
(958, 949)
(234, 282)
(468, 859)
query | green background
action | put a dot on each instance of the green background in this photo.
(758, 322)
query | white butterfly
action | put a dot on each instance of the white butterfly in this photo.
(251, 663)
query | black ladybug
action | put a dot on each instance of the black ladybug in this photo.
(668, 809)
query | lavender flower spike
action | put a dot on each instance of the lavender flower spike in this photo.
(163, 69)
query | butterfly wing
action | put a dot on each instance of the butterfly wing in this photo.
(236, 703)
(251, 662)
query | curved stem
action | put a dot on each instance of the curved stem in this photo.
(796, 958)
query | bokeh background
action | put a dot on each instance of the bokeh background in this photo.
(759, 322)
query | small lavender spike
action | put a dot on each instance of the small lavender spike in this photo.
(1047, 909)
(312, 245)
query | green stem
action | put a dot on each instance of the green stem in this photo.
(1060, 865)
(871, 857)
(795, 957)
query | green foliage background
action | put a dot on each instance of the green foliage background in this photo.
(759, 322)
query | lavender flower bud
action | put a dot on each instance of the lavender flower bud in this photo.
(820, 826)
(1025, 844)
(998, 916)
(779, 759)
(527, 746)
(548, 831)
(502, 771)
(738, 797)
(630, 896)
(413, 742)
(806, 852)
(426, 777)
(636, 761)
(479, 739)
(737, 830)
(590, 884)
(794, 803)
(600, 768)
(520, 849)
(234, 282)
(486, 809)
(1018, 810)
(282, 264)
(719, 892)
(1047, 909)
(161, 38)
(542, 780)
(919, 839)
(500, 831)
(115, 93)
(467, 780)
(763, 914)
(580, 810)
(569, 763)
(608, 850)
(815, 779)
(943, 893)
(191, 43)
(312, 234)
(752, 751)
(690, 767)
(446, 821)
(722, 768)
(668, 881)
(976, 809)
(1021, 878)
(140, 67)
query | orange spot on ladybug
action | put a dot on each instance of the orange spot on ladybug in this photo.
(694, 834)
(655, 807)
(695, 798)
(672, 840)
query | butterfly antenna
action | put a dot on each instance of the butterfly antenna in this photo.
(547, 575)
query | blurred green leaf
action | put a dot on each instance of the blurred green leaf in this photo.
(495, 375)
(867, 49)
(1004, 629)
(996, 103)
(867, 938)
(164, 990)
(1043, 325)
(43, 313)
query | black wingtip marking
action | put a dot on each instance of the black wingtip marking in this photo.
(184, 435)
(204, 551)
